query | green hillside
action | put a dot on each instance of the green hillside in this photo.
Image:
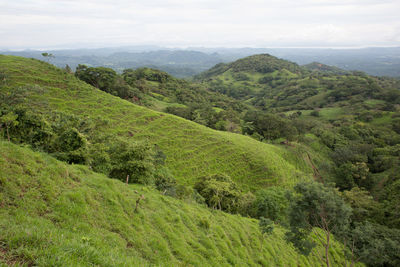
(55, 214)
(192, 150)
(348, 121)
(277, 85)
(338, 129)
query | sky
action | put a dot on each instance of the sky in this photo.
(45, 24)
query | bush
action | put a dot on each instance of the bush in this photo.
(315, 113)
(71, 146)
(134, 159)
(271, 203)
(219, 192)
(164, 181)
(266, 225)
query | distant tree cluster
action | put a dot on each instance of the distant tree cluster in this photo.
(108, 80)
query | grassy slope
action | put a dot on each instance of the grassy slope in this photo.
(54, 214)
(192, 150)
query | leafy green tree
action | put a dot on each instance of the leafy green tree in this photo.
(396, 125)
(134, 159)
(219, 192)
(68, 69)
(272, 203)
(100, 77)
(269, 126)
(316, 206)
(32, 129)
(376, 245)
(246, 204)
(9, 120)
(48, 56)
(71, 146)
(363, 205)
(165, 181)
(349, 175)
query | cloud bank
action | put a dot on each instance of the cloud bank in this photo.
(254, 23)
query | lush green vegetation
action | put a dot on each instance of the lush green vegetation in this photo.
(55, 214)
(191, 150)
(162, 92)
(346, 121)
(315, 122)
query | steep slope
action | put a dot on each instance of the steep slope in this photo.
(192, 150)
(54, 214)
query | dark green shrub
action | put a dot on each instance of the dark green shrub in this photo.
(271, 203)
(134, 159)
(315, 113)
(164, 181)
(266, 225)
(71, 146)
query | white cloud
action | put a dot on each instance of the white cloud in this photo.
(46, 23)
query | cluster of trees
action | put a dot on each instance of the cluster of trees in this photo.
(267, 126)
(317, 213)
(106, 79)
(222, 193)
(314, 214)
(223, 120)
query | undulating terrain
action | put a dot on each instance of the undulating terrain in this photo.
(239, 165)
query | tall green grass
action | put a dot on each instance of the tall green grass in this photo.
(55, 214)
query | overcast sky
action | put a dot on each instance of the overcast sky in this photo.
(180, 23)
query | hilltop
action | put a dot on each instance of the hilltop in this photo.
(270, 83)
(263, 63)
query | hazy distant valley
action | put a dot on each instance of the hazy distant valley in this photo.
(191, 61)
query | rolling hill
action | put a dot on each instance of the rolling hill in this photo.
(192, 150)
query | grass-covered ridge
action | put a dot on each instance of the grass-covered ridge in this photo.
(55, 214)
(192, 150)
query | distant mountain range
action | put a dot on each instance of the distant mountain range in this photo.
(377, 61)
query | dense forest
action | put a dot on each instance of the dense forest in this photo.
(304, 156)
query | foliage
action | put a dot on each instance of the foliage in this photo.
(272, 203)
(100, 77)
(48, 56)
(316, 205)
(190, 148)
(266, 225)
(219, 192)
(71, 146)
(269, 126)
(9, 120)
(376, 245)
(52, 213)
(133, 159)
(364, 207)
